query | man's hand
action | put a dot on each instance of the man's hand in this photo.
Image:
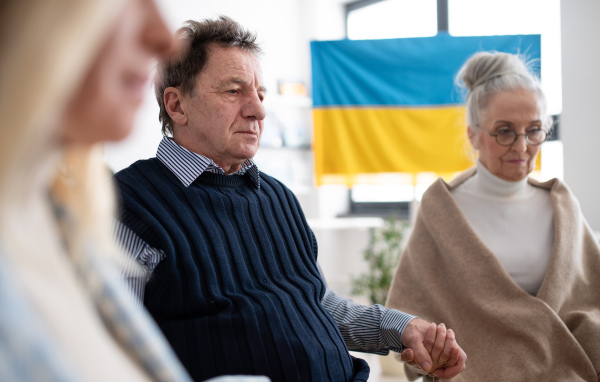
(432, 349)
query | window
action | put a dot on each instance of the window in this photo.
(391, 19)
(506, 17)
(383, 194)
(373, 19)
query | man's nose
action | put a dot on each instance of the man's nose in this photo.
(254, 108)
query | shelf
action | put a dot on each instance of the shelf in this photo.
(345, 223)
(277, 100)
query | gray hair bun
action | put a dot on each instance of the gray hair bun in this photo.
(486, 73)
(486, 66)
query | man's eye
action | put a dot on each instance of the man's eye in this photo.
(504, 132)
(233, 91)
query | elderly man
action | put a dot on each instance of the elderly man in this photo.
(233, 280)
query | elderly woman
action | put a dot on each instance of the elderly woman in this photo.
(508, 262)
(72, 74)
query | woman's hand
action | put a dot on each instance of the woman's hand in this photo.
(448, 358)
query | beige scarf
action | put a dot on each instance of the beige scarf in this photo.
(446, 274)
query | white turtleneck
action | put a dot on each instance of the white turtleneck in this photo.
(514, 220)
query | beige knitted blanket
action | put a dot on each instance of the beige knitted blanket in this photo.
(446, 274)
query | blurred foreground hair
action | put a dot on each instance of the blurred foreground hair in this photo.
(46, 48)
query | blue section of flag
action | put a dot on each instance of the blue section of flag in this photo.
(401, 72)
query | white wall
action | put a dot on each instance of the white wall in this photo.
(580, 129)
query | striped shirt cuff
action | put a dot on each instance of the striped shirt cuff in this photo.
(393, 324)
(372, 329)
(143, 254)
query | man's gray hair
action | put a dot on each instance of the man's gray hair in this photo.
(196, 39)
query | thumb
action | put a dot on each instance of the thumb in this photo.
(407, 355)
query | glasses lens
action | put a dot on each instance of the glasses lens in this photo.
(506, 137)
(537, 136)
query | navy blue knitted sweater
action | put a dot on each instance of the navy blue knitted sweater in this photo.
(239, 291)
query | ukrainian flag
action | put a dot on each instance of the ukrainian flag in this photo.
(387, 106)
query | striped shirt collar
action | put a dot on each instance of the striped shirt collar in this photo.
(187, 166)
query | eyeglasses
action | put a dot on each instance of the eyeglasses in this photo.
(507, 137)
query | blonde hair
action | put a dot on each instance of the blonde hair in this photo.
(46, 48)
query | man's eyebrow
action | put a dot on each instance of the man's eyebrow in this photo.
(239, 81)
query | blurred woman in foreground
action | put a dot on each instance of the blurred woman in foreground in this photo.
(514, 255)
(72, 74)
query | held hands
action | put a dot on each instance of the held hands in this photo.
(432, 349)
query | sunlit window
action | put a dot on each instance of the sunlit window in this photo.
(393, 19)
(507, 17)
(406, 18)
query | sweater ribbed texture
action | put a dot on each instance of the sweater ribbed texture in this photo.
(239, 291)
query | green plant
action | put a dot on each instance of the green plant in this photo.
(382, 256)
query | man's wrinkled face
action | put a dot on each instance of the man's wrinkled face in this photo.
(225, 112)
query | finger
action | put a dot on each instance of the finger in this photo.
(407, 355)
(438, 347)
(453, 371)
(462, 358)
(453, 356)
(449, 345)
(422, 349)
(448, 373)
(429, 340)
(422, 357)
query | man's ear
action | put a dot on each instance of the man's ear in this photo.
(472, 137)
(173, 99)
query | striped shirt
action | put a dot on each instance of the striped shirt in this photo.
(373, 329)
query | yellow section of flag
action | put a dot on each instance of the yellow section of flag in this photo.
(353, 141)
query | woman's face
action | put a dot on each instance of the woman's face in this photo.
(519, 110)
(104, 106)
